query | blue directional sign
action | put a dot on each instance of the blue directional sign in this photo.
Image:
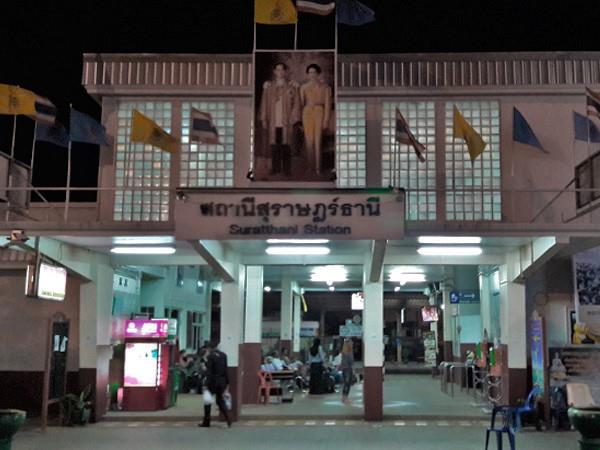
(464, 297)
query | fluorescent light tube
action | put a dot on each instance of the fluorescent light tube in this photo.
(449, 240)
(143, 250)
(449, 251)
(300, 250)
(297, 241)
(143, 240)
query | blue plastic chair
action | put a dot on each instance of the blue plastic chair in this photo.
(528, 407)
(508, 416)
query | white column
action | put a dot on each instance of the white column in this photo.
(372, 320)
(287, 297)
(297, 322)
(254, 304)
(232, 316)
(513, 320)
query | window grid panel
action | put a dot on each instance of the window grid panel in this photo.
(208, 165)
(400, 166)
(351, 144)
(476, 187)
(141, 166)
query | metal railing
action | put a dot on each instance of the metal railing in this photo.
(519, 206)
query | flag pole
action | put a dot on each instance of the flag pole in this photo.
(32, 154)
(68, 194)
(589, 159)
(14, 135)
(296, 35)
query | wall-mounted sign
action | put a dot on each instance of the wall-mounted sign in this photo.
(277, 213)
(158, 328)
(351, 330)
(52, 282)
(357, 301)
(464, 297)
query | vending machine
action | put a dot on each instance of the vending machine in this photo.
(147, 357)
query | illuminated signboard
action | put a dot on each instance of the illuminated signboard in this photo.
(52, 282)
(358, 301)
(141, 364)
(147, 328)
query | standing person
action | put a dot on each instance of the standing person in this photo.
(279, 111)
(315, 97)
(217, 382)
(346, 366)
(315, 359)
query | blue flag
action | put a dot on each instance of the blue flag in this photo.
(85, 129)
(353, 12)
(522, 132)
(584, 127)
(55, 134)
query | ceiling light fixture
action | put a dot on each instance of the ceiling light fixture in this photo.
(397, 289)
(143, 240)
(297, 241)
(332, 288)
(449, 251)
(287, 250)
(399, 275)
(329, 274)
(267, 288)
(143, 250)
(449, 240)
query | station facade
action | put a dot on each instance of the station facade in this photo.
(217, 205)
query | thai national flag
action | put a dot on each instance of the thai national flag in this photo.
(202, 128)
(320, 7)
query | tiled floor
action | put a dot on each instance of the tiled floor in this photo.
(405, 397)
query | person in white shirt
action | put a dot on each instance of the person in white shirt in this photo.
(277, 363)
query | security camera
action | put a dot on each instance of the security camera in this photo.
(18, 236)
(181, 196)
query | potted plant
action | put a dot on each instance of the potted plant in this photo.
(76, 409)
(10, 422)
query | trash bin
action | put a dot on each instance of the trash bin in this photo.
(174, 376)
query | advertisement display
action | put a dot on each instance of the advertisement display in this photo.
(586, 267)
(358, 301)
(294, 120)
(141, 364)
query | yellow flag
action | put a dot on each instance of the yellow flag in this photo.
(147, 131)
(275, 12)
(463, 130)
(15, 100)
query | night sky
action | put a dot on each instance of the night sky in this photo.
(42, 44)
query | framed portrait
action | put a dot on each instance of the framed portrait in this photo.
(294, 116)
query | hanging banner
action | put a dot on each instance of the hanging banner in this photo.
(586, 267)
(538, 354)
(296, 214)
(294, 120)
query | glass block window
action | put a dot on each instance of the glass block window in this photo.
(208, 165)
(400, 166)
(351, 154)
(141, 169)
(473, 190)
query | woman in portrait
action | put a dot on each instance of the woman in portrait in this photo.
(315, 99)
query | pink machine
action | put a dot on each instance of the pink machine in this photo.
(147, 355)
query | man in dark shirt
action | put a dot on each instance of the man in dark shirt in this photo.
(216, 382)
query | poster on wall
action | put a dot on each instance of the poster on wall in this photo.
(586, 267)
(294, 120)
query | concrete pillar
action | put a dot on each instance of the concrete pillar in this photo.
(297, 323)
(373, 345)
(252, 352)
(232, 317)
(513, 323)
(95, 320)
(287, 298)
(450, 312)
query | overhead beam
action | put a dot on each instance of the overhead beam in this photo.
(377, 255)
(215, 256)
